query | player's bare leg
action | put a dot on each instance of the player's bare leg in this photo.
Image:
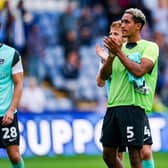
(120, 155)
(135, 157)
(110, 156)
(146, 155)
(14, 156)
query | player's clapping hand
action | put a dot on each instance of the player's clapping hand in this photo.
(112, 44)
(8, 118)
(101, 52)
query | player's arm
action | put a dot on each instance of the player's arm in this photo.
(103, 55)
(106, 70)
(18, 85)
(136, 69)
(100, 82)
(17, 75)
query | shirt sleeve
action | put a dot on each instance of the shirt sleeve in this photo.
(151, 52)
(17, 63)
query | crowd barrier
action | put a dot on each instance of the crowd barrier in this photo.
(70, 133)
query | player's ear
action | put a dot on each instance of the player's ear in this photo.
(138, 26)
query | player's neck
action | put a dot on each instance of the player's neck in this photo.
(134, 39)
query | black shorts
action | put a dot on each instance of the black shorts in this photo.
(9, 134)
(123, 126)
(147, 132)
(147, 136)
(122, 149)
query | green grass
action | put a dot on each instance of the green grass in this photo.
(79, 161)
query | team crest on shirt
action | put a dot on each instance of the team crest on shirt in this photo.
(2, 61)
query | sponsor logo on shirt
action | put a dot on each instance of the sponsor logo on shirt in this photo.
(2, 61)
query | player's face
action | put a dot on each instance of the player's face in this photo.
(116, 34)
(128, 26)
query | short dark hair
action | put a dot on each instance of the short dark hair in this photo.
(138, 15)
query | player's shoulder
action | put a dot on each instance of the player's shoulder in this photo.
(149, 43)
(8, 48)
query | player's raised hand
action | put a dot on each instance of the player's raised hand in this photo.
(101, 52)
(112, 44)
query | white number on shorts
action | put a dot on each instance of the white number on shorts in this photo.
(9, 132)
(146, 131)
(6, 133)
(130, 132)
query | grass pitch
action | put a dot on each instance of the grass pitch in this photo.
(79, 161)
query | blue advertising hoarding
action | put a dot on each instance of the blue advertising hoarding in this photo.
(69, 133)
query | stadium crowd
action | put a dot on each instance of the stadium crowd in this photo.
(58, 50)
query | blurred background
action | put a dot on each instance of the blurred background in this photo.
(60, 101)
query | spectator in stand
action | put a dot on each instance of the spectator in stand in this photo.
(36, 54)
(2, 4)
(100, 21)
(85, 26)
(67, 22)
(114, 11)
(7, 20)
(158, 105)
(70, 72)
(19, 27)
(162, 82)
(72, 65)
(71, 41)
(148, 13)
(86, 38)
(33, 98)
(160, 17)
